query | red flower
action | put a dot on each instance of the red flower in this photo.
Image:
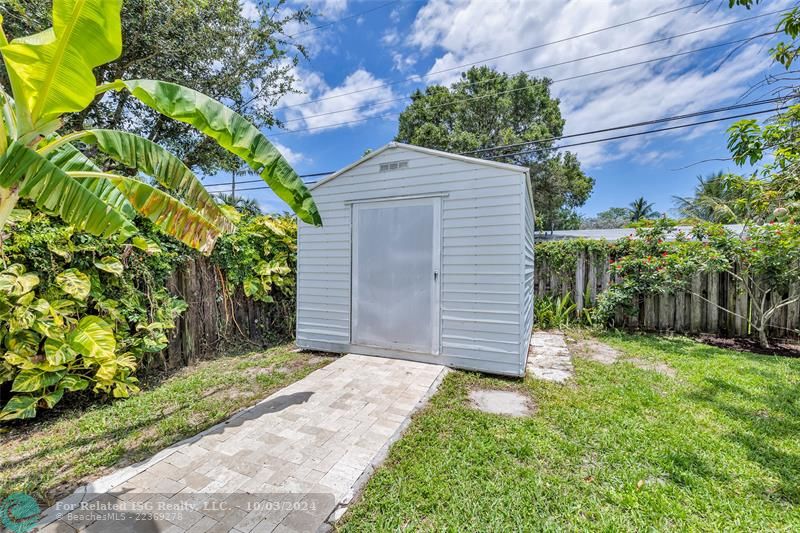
(664, 254)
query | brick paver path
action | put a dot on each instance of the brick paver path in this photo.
(285, 464)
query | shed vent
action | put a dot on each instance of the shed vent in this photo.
(394, 165)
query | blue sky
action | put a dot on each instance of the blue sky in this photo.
(419, 38)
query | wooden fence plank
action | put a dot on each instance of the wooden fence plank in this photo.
(580, 275)
(696, 320)
(682, 312)
(592, 279)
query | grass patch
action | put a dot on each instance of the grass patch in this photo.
(48, 458)
(621, 447)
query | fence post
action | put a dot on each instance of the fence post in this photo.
(713, 296)
(592, 279)
(680, 310)
(696, 311)
(580, 266)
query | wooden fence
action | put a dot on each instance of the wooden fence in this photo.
(693, 311)
(219, 315)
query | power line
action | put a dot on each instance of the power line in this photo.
(560, 80)
(499, 93)
(636, 124)
(337, 21)
(648, 132)
(228, 183)
(429, 74)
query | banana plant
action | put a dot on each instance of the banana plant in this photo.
(50, 74)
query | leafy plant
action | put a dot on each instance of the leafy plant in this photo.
(50, 349)
(260, 256)
(550, 312)
(50, 74)
(79, 312)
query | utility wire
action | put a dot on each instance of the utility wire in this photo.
(337, 21)
(560, 80)
(429, 74)
(648, 132)
(228, 183)
(633, 125)
(499, 93)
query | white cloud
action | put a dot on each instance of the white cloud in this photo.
(328, 9)
(390, 38)
(293, 157)
(249, 10)
(402, 63)
(349, 100)
(458, 32)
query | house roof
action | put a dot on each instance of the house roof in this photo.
(420, 149)
(614, 234)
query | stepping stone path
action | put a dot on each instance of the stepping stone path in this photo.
(290, 463)
(548, 357)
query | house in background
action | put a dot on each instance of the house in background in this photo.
(423, 255)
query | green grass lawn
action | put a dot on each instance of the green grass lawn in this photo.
(49, 458)
(716, 447)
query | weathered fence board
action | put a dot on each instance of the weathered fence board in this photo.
(698, 310)
(218, 314)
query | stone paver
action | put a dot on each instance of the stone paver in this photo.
(285, 464)
(549, 357)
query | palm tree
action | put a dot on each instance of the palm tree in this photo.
(50, 74)
(714, 200)
(241, 204)
(641, 209)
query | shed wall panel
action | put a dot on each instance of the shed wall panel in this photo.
(481, 316)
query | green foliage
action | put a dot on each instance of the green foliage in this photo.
(561, 255)
(79, 312)
(51, 74)
(486, 108)
(260, 256)
(209, 45)
(550, 313)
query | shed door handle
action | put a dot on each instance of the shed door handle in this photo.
(435, 275)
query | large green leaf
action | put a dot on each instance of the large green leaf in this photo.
(51, 71)
(70, 159)
(54, 191)
(15, 281)
(75, 283)
(34, 379)
(168, 214)
(234, 133)
(93, 338)
(109, 264)
(151, 159)
(19, 407)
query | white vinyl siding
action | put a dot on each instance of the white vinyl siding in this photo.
(482, 319)
(528, 255)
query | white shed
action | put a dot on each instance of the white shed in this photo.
(423, 255)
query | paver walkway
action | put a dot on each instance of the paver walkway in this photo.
(549, 357)
(285, 464)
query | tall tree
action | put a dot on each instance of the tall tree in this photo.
(485, 109)
(714, 200)
(641, 209)
(613, 217)
(208, 45)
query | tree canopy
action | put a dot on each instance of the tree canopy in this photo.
(486, 108)
(209, 46)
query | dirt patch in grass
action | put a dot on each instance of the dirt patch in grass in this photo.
(654, 366)
(595, 351)
(779, 347)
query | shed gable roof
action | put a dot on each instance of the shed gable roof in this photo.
(420, 149)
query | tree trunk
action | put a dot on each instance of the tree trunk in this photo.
(763, 341)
